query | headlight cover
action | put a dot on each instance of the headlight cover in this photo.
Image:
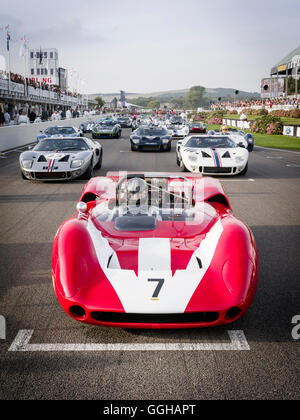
(240, 159)
(27, 163)
(192, 158)
(77, 163)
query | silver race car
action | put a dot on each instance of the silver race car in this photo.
(212, 155)
(60, 159)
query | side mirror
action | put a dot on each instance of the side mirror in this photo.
(30, 147)
(81, 208)
(242, 145)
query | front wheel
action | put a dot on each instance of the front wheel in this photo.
(23, 176)
(169, 148)
(99, 164)
(89, 172)
(182, 167)
(134, 148)
(245, 171)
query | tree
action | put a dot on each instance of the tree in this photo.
(99, 101)
(154, 104)
(195, 97)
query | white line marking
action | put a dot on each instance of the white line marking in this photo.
(293, 166)
(278, 150)
(21, 344)
(237, 180)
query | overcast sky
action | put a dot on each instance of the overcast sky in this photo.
(147, 46)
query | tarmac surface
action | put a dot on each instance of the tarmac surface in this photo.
(267, 199)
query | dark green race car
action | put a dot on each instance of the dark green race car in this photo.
(106, 129)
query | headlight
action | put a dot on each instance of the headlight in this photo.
(193, 158)
(135, 141)
(166, 140)
(77, 163)
(240, 159)
(27, 164)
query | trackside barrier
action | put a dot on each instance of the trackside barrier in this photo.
(15, 136)
(288, 130)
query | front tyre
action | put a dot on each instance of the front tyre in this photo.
(89, 172)
(99, 164)
(182, 167)
(23, 177)
(245, 171)
(134, 148)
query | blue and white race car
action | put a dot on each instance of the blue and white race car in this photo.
(60, 131)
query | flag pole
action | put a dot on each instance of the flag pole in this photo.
(8, 49)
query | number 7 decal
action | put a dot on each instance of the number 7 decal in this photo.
(160, 282)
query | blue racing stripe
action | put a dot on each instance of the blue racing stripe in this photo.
(217, 159)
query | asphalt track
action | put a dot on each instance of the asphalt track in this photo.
(267, 199)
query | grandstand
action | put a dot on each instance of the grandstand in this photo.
(284, 78)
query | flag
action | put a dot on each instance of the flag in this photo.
(23, 47)
(8, 40)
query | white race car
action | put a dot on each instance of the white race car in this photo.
(239, 137)
(178, 131)
(212, 155)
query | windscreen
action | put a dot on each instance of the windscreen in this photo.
(60, 131)
(152, 132)
(210, 143)
(52, 145)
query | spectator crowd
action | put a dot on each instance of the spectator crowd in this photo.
(17, 78)
(263, 103)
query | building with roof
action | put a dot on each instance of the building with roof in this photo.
(284, 80)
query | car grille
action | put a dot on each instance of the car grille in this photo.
(52, 175)
(188, 318)
(209, 170)
(153, 148)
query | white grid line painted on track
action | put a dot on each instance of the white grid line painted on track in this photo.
(22, 340)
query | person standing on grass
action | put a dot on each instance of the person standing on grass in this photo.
(244, 120)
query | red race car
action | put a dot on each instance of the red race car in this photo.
(154, 251)
(197, 127)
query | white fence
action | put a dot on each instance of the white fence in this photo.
(288, 130)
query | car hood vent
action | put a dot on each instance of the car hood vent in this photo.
(226, 155)
(65, 158)
(42, 159)
(205, 155)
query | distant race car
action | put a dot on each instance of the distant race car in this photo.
(60, 131)
(239, 137)
(179, 260)
(139, 122)
(107, 128)
(212, 155)
(125, 122)
(151, 138)
(86, 127)
(178, 131)
(61, 159)
(197, 127)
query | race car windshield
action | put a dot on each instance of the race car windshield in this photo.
(107, 123)
(60, 131)
(52, 145)
(151, 132)
(210, 143)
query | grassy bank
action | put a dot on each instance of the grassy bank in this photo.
(272, 141)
